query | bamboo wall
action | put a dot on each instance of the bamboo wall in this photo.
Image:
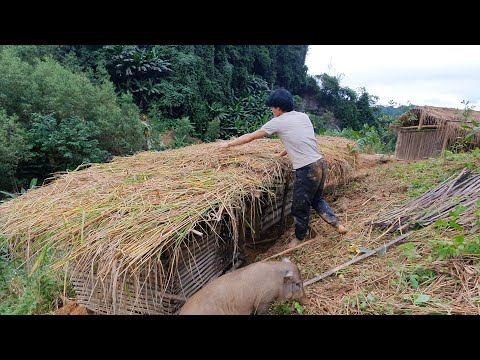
(202, 259)
(414, 144)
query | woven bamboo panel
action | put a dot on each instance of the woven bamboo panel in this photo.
(270, 208)
(418, 144)
(199, 262)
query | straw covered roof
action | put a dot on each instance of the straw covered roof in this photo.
(450, 121)
(122, 215)
(430, 115)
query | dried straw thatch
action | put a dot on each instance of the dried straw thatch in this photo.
(142, 233)
(426, 131)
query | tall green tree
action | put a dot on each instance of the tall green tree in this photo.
(290, 67)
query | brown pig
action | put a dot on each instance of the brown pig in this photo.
(248, 290)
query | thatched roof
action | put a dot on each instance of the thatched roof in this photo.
(431, 115)
(119, 217)
(451, 123)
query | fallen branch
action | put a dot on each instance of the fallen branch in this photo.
(357, 259)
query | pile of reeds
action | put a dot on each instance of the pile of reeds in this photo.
(462, 189)
(107, 223)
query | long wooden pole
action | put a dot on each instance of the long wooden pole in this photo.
(355, 260)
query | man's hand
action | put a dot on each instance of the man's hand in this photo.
(224, 145)
(283, 153)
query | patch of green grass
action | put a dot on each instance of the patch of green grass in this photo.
(360, 301)
(421, 176)
(289, 308)
(24, 294)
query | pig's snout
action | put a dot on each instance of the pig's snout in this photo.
(300, 296)
(303, 298)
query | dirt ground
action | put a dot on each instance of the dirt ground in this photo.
(355, 204)
(70, 307)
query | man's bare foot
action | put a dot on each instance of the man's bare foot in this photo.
(341, 229)
(293, 243)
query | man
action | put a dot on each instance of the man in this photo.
(295, 131)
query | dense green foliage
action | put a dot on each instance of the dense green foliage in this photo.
(54, 119)
(12, 147)
(352, 109)
(61, 106)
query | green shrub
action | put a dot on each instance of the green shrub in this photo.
(35, 90)
(183, 133)
(13, 148)
(22, 293)
(320, 122)
(213, 130)
(64, 144)
(49, 88)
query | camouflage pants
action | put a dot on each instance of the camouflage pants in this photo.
(307, 193)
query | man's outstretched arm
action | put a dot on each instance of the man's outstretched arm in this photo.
(244, 139)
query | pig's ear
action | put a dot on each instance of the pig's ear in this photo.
(285, 259)
(288, 276)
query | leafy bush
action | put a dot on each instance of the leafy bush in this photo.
(370, 141)
(33, 53)
(41, 87)
(13, 148)
(213, 130)
(320, 123)
(137, 70)
(183, 133)
(64, 144)
(248, 112)
(298, 103)
(47, 87)
(368, 138)
(15, 84)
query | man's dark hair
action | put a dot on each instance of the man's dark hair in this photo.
(281, 98)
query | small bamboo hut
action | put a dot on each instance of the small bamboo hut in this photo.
(426, 131)
(141, 234)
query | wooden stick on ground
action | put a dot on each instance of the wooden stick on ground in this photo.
(303, 243)
(353, 261)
